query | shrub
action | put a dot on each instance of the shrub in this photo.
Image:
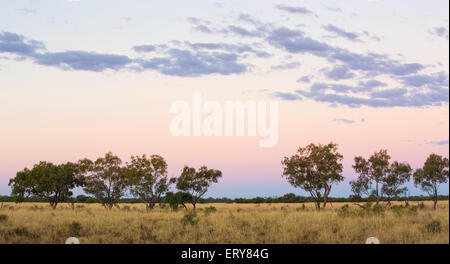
(344, 211)
(190, 218)
(421, 206)
(397, 210)
(210, 209)
(75, 228)
(126, 208)
(3, 218)
(434, 227)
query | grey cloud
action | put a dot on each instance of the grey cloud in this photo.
(343, 120)
(439, 143)
(440, 32)
(339, 72)
(185, 63)
(295, 10)
(144, 48)
(420, 80)
(369, 94)
(294, 41)
(304, 79)
(18, 45)
(287, 96)
(339, 32)
(81, 60)
(287, 66)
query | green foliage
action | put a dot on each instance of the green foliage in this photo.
(196, 183)
(147, 178)
(434, 227)
(75, 228)
(433, 173)
(3, 218)
(104, 179)
(190, 218)
(176, 199)
(314, 168)
(46, 180)
(378, 177)
(210, 209)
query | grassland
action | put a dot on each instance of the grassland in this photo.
(225, 223)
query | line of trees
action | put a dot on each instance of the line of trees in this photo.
(315, 168)
(108, 180)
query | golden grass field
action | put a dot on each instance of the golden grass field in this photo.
(230, 223)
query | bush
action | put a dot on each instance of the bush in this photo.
(126, 208)
(75, 228)
(421, 206)
(397, 210)
(190, 218)
(210, 209)
(434, 227)
(3, 218)
(344, 211)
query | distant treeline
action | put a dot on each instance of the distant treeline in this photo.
(287, 198)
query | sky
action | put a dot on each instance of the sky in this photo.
(81, 78)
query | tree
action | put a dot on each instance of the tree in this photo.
(21, 185)
(393, 183)
(379, 178)
(371, 174)
(196, 183)
(176, 199)
(433, 173)
(104, 179)
(314, 168)
(147, 178)
(47, 181)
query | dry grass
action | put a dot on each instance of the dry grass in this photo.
(230, 223)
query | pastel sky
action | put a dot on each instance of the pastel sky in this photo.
(80, 78)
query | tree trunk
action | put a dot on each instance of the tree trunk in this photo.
(378, 196)
(325, 196)
(194, 204)
(435, 203)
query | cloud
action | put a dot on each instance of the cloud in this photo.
(374, 93)
(186, 63)
(235, 48)
(294, 9)
(81, 60)
(439, 143)
(343, 120)
(304, 79)
(339, 72)
(294, 41)
(144, 48)
(339, 32)
(18, 45)
(421, 80)
(440, 32)
(287, 66)
(287, 96)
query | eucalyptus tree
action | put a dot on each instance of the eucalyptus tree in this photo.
(196, 182)
(104, 178)
(147, 178)
(315, 169)
(433, 173)
(47, 181)
(379, 177)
